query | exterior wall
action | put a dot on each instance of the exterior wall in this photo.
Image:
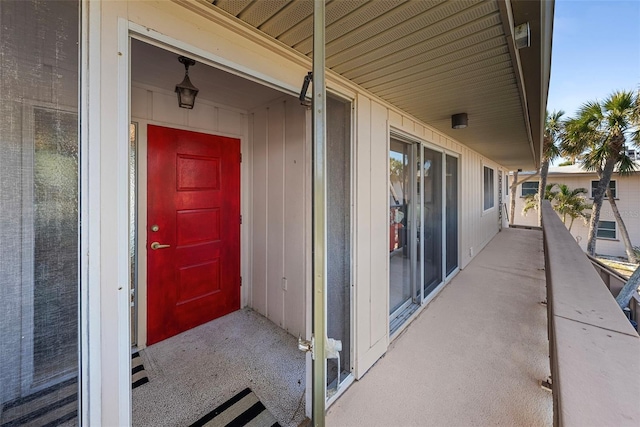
(628, 202)
(218, 40)
(278, 273)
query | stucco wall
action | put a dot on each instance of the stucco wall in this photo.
(627, 200)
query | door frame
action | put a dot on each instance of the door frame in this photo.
(128, 30)
(407, 138)
(141, 225)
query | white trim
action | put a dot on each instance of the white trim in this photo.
(90, 381)
(155, 38)
(122, 224)
(493, 206)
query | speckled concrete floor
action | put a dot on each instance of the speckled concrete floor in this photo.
(194, 372)
(473, 357)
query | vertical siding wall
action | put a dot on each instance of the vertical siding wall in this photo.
(627, 200)
(374, 122)
(278, 208)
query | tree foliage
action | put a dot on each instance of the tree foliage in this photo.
(569, 204)
(598, 135)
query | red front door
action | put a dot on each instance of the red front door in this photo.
(193, 230)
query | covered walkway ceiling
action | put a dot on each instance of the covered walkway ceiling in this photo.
(432, 59)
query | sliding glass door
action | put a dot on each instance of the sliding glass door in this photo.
(451, 214)
(401, 229)
(432, 202)
(423, 224)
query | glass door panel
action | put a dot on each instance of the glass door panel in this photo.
(338, 238)
(432, 196)
(451, 214)
(401, 190)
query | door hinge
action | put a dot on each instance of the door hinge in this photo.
(240, 280)
(240, 219)
(240, 157)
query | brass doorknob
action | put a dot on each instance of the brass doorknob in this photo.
(156, 245)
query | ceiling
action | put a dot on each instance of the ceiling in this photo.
(432, 59)
(158, 67)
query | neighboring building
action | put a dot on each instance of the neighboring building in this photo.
(626, 190)
(126, 219)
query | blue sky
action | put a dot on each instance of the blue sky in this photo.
(596, 50)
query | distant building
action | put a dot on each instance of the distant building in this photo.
(626, 190)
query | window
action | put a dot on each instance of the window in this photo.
(606, 230)
(488, 188)
(506, 186)
(530, 187)
(612, 186)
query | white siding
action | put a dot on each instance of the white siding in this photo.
(278, 207)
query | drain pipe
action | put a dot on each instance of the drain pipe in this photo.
(318, 102)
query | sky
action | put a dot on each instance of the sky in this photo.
(595, 51)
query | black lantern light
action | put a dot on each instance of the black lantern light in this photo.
(185, 90)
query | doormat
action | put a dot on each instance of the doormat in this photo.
(242, 409)
(52, 406)
(57, 404)
(138, 374)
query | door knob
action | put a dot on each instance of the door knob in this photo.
(156, 245)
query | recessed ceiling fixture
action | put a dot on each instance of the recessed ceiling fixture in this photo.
(459, 121)
(185, 90)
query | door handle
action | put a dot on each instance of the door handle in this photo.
(156, 245)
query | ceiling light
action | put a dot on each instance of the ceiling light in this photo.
(459, 121)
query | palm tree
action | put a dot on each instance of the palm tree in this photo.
(553, 127)
(598, 134)
(567, 203)
(570, 203)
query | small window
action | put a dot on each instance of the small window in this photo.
(488, 188)
(529, 187)
(612, 186)
(606, 230)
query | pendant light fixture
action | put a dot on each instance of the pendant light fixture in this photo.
(185, 90)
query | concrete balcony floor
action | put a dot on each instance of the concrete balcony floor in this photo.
(474, 356)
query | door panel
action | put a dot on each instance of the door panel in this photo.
(194, 206)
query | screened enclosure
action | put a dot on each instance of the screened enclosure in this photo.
(39, 206)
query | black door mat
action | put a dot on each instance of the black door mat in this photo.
(138, 373)
(242, 409)
(58, 404)
(53, 406)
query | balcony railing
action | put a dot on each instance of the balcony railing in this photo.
(594, 350)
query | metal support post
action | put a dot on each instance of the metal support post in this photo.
(319, 215)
